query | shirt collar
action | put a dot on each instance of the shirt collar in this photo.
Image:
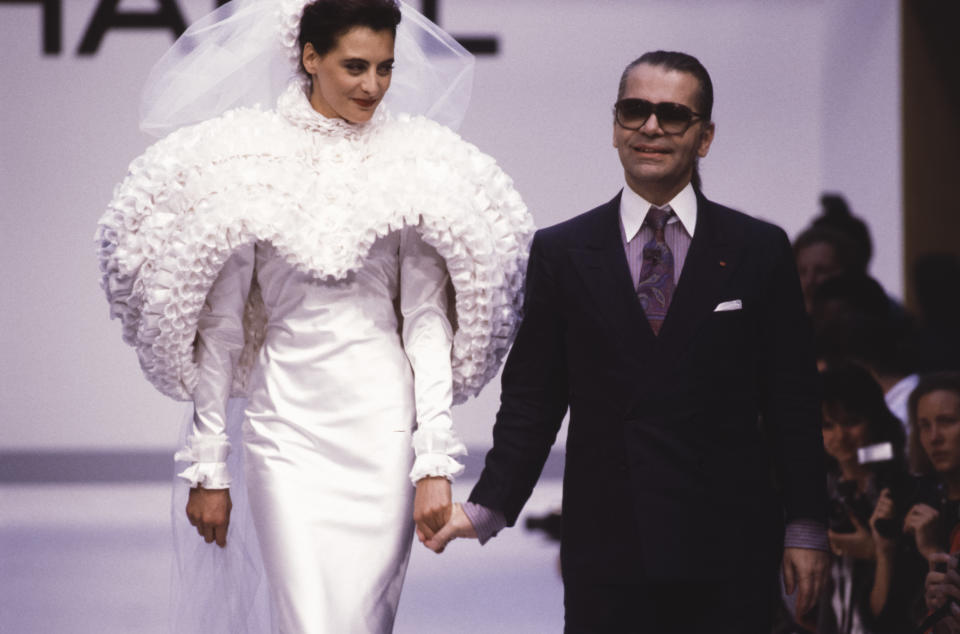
(634, 208)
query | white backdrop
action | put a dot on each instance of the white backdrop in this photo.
(807, 99)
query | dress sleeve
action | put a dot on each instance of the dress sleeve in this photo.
(427, 340)
(218, 346)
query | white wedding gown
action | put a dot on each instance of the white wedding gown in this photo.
(354, 237)
(346, 370)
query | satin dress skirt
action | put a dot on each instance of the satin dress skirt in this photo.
(327, 447)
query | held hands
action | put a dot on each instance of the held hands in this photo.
(438, 521)
(458, 526)
(209, 511)
(431, 506)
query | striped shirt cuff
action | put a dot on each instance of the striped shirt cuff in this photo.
(486, 522)
(806, 534)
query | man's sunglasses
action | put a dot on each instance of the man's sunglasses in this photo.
(673, 118)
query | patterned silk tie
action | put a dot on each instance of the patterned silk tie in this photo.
(655, 289)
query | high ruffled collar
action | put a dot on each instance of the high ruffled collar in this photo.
(295, 106)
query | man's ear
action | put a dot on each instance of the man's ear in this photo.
(706, 138)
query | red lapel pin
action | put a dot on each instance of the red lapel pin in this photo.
(722, 263)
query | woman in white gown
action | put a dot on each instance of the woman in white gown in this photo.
(352, 274)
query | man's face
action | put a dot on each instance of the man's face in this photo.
(658, 165)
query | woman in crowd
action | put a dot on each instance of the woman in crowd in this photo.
(351, 272)
(867, 468)
(934, 410)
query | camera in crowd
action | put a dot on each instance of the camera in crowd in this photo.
(905, 491)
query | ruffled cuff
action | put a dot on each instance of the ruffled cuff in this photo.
(209, 458)
(435, 464)
(435, 448)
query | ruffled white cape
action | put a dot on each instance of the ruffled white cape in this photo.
(321, 191)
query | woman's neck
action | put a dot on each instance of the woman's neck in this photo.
(857, 472)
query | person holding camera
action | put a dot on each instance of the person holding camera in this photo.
(875, 568)
(934, 414)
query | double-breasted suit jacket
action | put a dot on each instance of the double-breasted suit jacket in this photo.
(687, 451)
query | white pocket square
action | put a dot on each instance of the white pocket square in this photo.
(733, 304)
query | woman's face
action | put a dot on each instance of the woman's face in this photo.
(816, 263)
(352, 78)
(843, 434)
(938, 421)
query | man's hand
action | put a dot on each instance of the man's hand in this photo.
(458, 526)
(431, 506)
(805, 570)
(209, 511)
(922, 522)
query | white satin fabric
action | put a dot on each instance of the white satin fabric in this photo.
(347, 369)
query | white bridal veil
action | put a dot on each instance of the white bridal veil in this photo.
(246, 52)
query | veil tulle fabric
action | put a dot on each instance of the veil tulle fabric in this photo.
(245, 53)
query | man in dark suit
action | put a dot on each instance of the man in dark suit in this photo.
(674, 330)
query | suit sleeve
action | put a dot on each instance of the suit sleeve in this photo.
(790, 391)
(534, 395)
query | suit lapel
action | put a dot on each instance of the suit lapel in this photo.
(712, 257)
(602, 264)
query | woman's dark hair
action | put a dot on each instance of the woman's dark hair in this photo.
(836, 215)
(843, 248)
(684, 63)
(946, 381)
(850, 391)
(324, 21)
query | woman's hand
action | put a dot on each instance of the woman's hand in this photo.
(942, 586)
(883, 510)
(458, 526)
(209, 511)
(923, 522)
(431, 506)
(858, 544)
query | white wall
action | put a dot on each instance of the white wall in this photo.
(807, 96)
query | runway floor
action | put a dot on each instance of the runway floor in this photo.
(96, 558)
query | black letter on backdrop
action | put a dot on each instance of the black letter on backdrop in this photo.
(168, 16)
(480, 45)
(52, 23)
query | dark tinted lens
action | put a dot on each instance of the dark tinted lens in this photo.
(673, 116)
(633, 112)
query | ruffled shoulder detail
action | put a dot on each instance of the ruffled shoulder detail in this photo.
(321, 198)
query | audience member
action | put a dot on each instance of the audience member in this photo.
(836, 215)
(935, 451)
(853, 322)
(821, 253)
(876, 570)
